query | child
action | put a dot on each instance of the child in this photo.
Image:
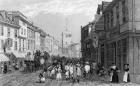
(41, 77)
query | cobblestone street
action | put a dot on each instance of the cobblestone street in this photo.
(18, 79)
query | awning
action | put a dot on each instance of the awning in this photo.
(19, 55)
(3, 57)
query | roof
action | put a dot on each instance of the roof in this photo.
(42, 33)
(110, 5)
(5, 18)
(19, 14)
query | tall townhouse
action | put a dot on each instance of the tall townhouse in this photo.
(42, 40)
(97, 35)
(85, 44)
(8, 33)
(55, 47)
(48, 43)
(23, 22)
(30, 41)
(122, 27)
(37, 38)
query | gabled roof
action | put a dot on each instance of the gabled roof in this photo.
(20, 15)
(7, 19)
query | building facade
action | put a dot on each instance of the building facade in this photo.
(42, 40)
(85, 43)
(122, 37)
(30, 41)
(8, 30)
(23, 22)
(37, 39)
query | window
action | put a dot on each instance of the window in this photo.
(15, 45)
(23, 45)
(124, 11)
(102, 54)
(117, 13)
(1, 30)
(19, 44)
(111, 17)
(23, 23)
(119, 54)
(2, 43)
(107, 20)
(124, 50)
(16, 32)
(24, 31)
(8, 31)
(28, 44)
(1, 17)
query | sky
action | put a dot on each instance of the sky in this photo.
(54, 16)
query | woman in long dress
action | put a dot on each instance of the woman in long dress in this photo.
(115, 78)
(67, 71)
(59, 75)
(53, 72)
(71, 70)
(87, 69)
(78, 72)
(126, 77)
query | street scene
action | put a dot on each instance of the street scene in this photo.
(69, 43)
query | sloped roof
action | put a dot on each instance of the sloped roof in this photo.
(6, 18)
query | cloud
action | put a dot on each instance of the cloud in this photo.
(33, 8)
(65, 7)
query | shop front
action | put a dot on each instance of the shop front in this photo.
(4, 63)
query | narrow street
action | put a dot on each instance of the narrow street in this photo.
(18, 79)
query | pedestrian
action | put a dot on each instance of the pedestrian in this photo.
(114, 77)
(87, 69)
(78, 72)
(53, 71)
(74, 73)
(5, 68)
(41, 77)
(59, 75)
(126, 77)
(67, 71)
(71, 71)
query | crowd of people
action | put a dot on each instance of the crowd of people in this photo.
(71, 71)
(76, 71)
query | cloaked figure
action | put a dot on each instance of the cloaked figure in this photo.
(126, 77)
(114, 76)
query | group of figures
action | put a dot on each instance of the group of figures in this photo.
(77, 72)
(71, 71)
(114, 78)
